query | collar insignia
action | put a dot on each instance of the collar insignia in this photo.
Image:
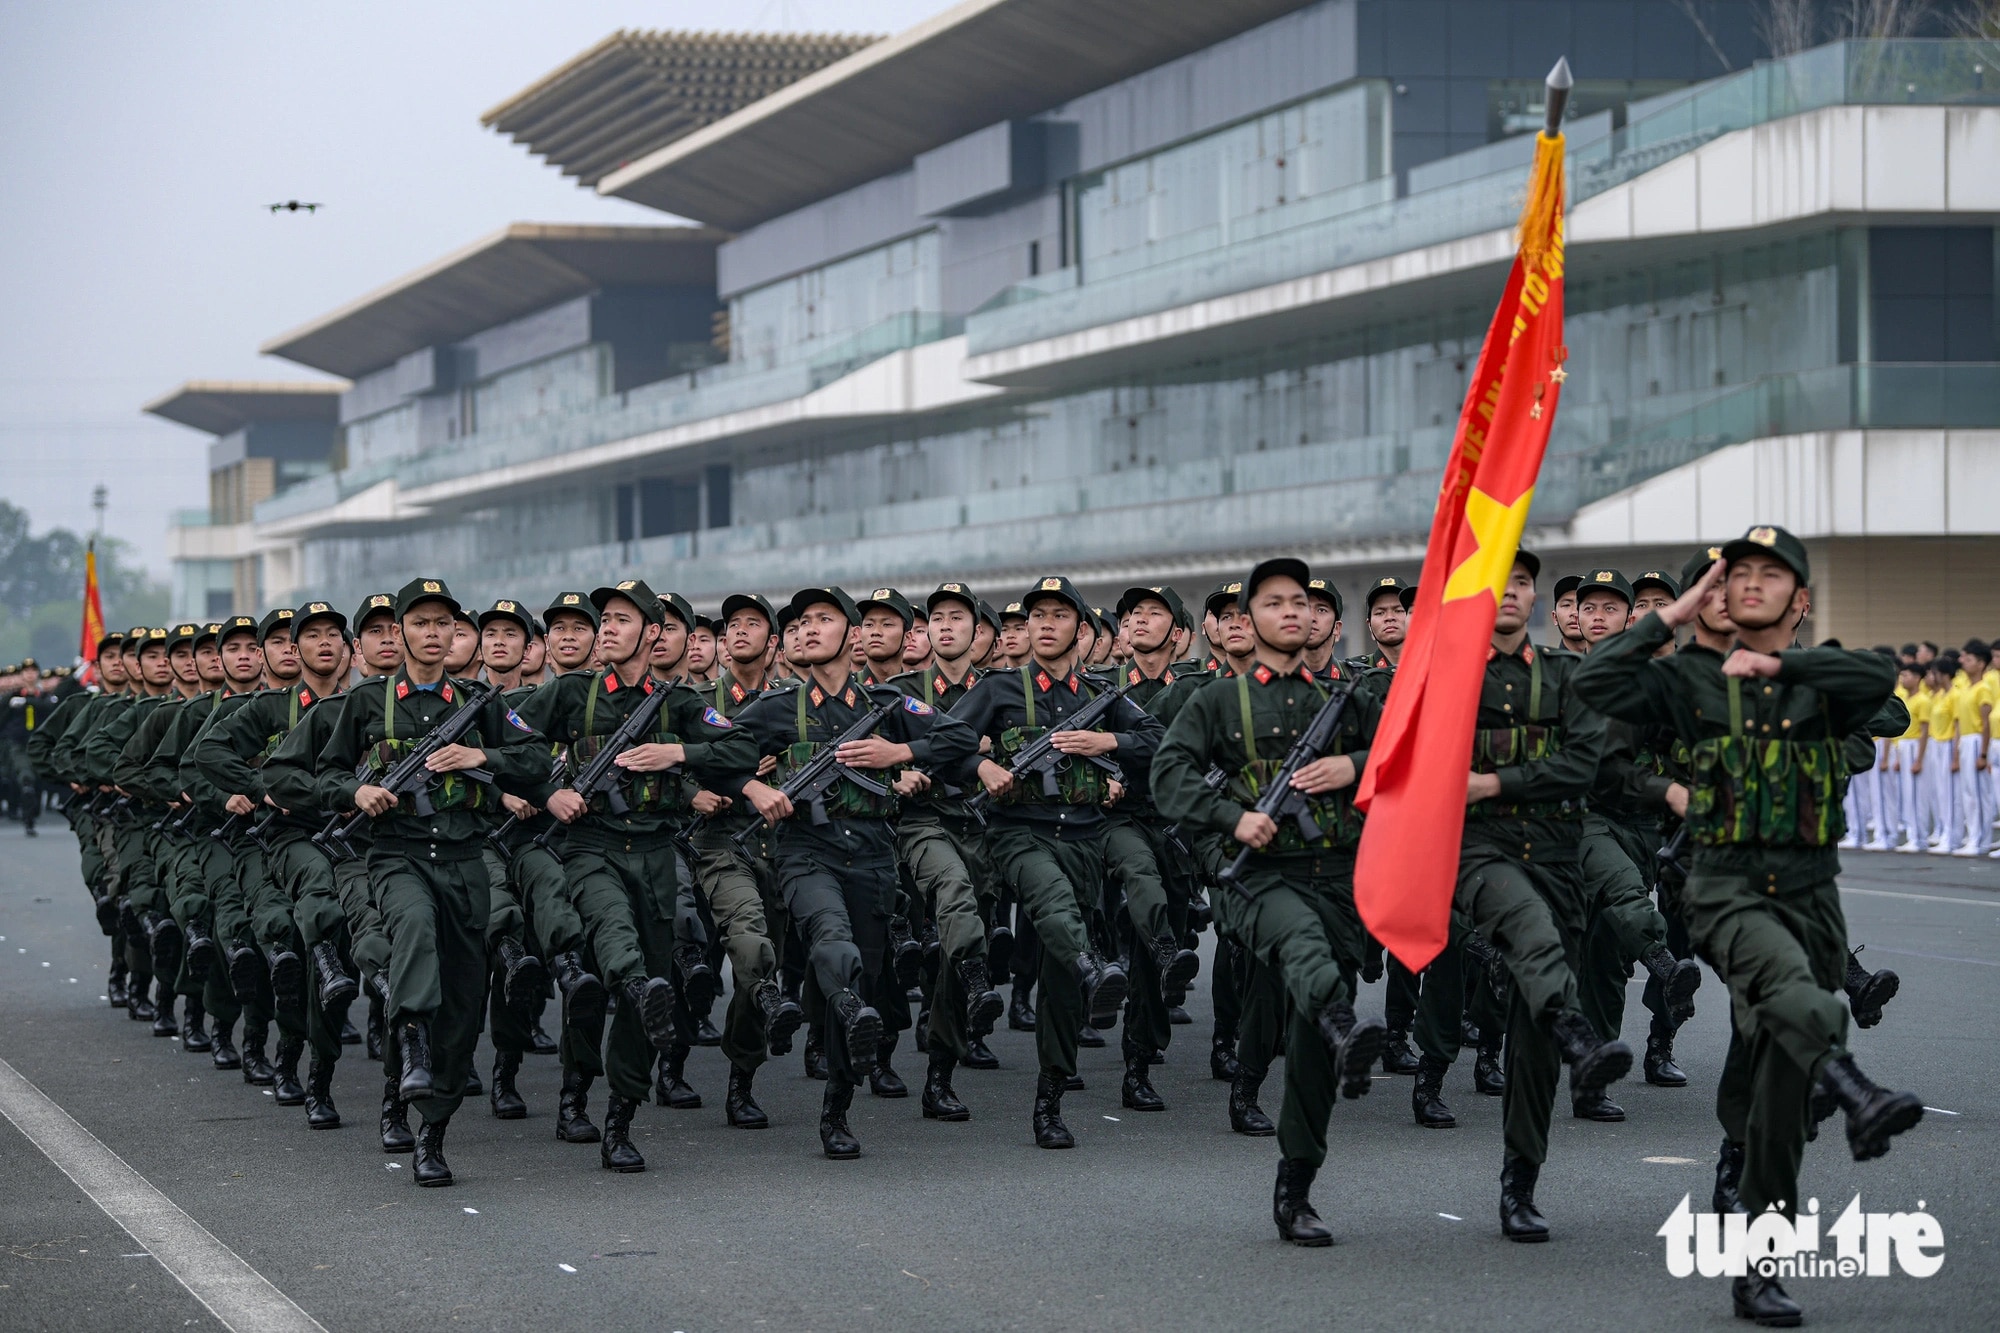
(1042, 679)
(611, 685)
(849, 696)
(1073, 688)
(1263, 674)
(1132, 676)
(737, 692)
(305, 696)
(446, 691)
(817, 697)
(402, 689)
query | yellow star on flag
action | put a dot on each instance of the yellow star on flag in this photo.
(1498, 529)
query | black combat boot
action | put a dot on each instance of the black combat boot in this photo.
(1398, 1057)
(906, 953)
(1179, 1017)
(105, 906)
(1178, 966)
(1090, 1039)
(1292, 1210)
(1519, 1218)
(1138, 1093)
(286, 1088)
(522, 975)
(539, 1041)
(416, 1041)
(670, 1088)
(861, 1027)
(320, 1110)
(1222, 1063)
(396, 1136)
(378, 991)
(883, 1080)
(1761, 1299)
(1489, 1075)
(225, 1055)
(1874, 1114)
(256, 1066)
(1427, 1095)
(940, 1102)
(163, 942)
(1594, 1063)
(1661, 1071)
(474, 1086)
(983, 1005)
(616, 1151)
(999, 951)
(336, 988)
(194, 1033)
(739, 1108)
(1867, 991)
(114, 985)
(288, 980)
(978, 1055)
(1596, 1106)
(1354, 1043)
(583, 995)
(706, 1033)
(163, 1008)
(350, 1035)
(1050, 1131)
(835, 1138)
(815, 1054)
(1728, 1197)
(504, 1096)
(430, 1168)
(782, 1016)
(139, 1000)
(696, 979)
(1020, 1011)
(572, 1111)
(1104, 986)
(652, 1001)
(200, 955)
(246, 973)
(1679, 979)
(1245, 1116)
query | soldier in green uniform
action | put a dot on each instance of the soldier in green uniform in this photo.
(48, 752)
(1535, 754)
(428, 879)
(623, 869)
(836, 861)
(1051, 849)
(20, 698)
(1764, 725)
(1293, 906)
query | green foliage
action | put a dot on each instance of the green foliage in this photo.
(41, 589)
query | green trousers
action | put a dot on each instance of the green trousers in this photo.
(1060, 882)
(840, 907)
(626, 901)
(737, 887)
(1300, 924)
(435, 912)
(90, 853)
(1135, 858)
(1783, 956)
(1533, 913)
(1623, 925)
(947, 868)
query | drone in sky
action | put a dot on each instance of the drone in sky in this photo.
(294, 206)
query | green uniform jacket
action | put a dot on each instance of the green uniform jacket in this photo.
(1818, 694)
(229, 755)
(933, 687)
(50, 730)
(172, 765)
(1538, 815)
(291, 774)
(96, 749)
(142, 726)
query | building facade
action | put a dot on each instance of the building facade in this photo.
(1142, 290)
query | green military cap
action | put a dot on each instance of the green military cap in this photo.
(891, 600)
(636, 592)
(237, 625)
(1326, 592)
(829, 595)
(116, 636)
(1698, 563)
(426, 590)
(308, 611)
(1776, 543)
(213, 630)
(1386, 586)
(677, 606)
(989, 614)
(506, 608)
(536, 629)
(1407, 597)
(1161, 593)
(1225, 595)
(953, 592)
(374, 604)
(275, 619)
(1658, 578)
(748, 601)
(1278, 566)
(1533, 562)
(574, 604)
(786, 615)
(142, 632)
(1013, 611)
(1566, 584)
(184, 633)
(150, 636)
(1604, 580)
(709, 623)
(1055, 586)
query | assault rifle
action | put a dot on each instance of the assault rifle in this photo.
(602, 776)
(1041, 757)
(1669, 862)
(823, 772)
(1281, 801)
(408, 776)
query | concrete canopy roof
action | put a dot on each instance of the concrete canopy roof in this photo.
(637, 91)
(978, 63)
(221, 406)
(516, 271)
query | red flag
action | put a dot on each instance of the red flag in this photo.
(93, 605)
(1414, 786)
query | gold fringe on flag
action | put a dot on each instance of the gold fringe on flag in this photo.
(1544, 201)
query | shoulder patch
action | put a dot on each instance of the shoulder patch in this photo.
(514, 720)
(916, 705)
(716, 719)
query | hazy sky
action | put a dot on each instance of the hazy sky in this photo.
(144, 140)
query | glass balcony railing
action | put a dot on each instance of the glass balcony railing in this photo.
(1656, 130)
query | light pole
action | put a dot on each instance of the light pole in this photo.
(99, 497)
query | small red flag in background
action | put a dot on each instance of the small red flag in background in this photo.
(93, 606)
(1414, 786)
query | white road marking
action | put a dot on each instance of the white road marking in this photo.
(1921, 897)
(1451, 1217)
(238, 1295)
(1941, 1111)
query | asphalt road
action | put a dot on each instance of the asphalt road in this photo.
(1154, 1222)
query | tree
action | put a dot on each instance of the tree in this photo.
(41, 588)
